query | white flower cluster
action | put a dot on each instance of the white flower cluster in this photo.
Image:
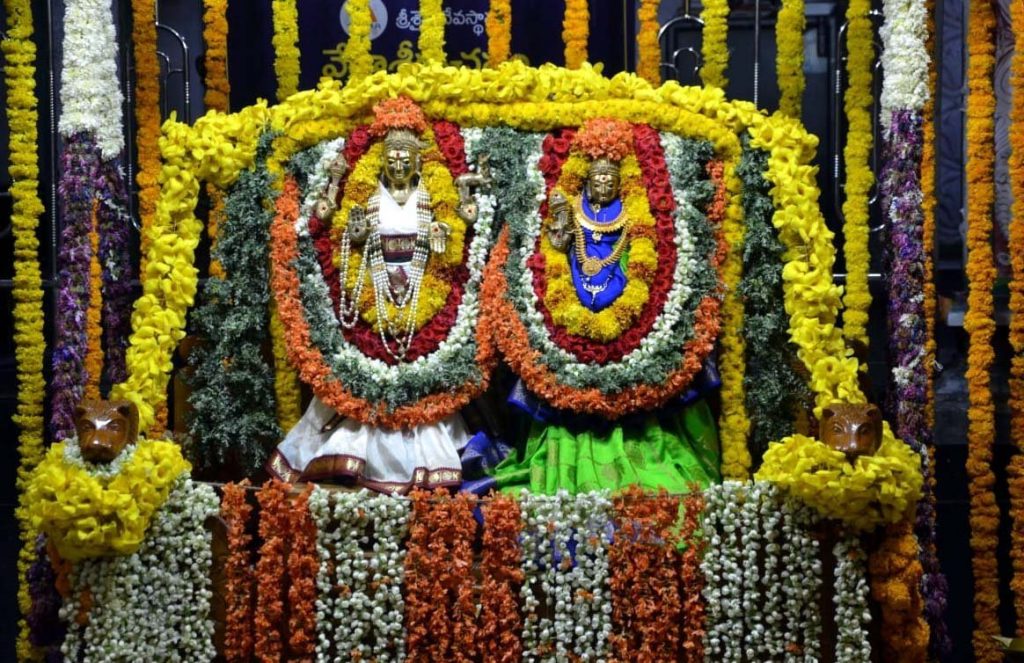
(354, 620)
(575, 619)
(103, 471)
(152, 605)
(762, 575)
(90, 92)
(851, 602)
(904, 57)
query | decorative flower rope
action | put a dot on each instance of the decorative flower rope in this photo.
(357, 48)
(576, 32)
(286, 47)
(980, 326)
(93, 363)
(275, 530)
(860, 56)
(714, 50)
(850, 598)
(238, 574)
(217, 95)
(789, 57)
(147, 117)
(431, 43)
(500, 568)
(896, 585)
(287, 393)
(303, 565)
(691, 580)
(648, 64)
(499, 31)
(27, 288)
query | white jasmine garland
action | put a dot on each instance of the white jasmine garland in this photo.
(390, 524)
(320, 510)
(591, 594)
(73, 456)
(90, 92)
(542, 528)
(773, 644)
(904, 58)
(152, 605)
(851, 602)
(351, 620)
(802, 584)
(750, 497)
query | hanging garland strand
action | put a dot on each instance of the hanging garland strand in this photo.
(860, 56)
(274, 529)
(896, 585)
(714, 50)
(648, 64)
(576, 32)
(286, 49)
(93, 327)
(499, 31)
(500, 623)
(147, 116)
(217, 97)
(27, 292)
(432, 32)
(789, 59)
(238, 574)
(980, 326)
(357, 48)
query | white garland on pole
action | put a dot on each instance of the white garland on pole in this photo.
(152, 605)
(851, 602)
(90, 92)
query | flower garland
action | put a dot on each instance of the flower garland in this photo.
(648, 48)
(1015, 469)
(27, 292)
(431, 42)
(774, 390)
(896, 585)
(439, 609)
(238, 574)
(217, 86)
(500, 568)
(576, 32)
(303, 566)
(646, 605)
(93, 363)
(233, 400)
(147, 115)
(287, 393)
(857, 105)
(275, 530)
(873, 490)
(588, 584)
(153, 604)
(499, 31)
(980, 326)
(691, 580)
(286, 49)
(852, 612)
(118, 268)
(357, 48)
(89, 511)
(789, 56)
(714, 50)
(46, 631)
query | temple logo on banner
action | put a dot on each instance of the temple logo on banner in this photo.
(380, 18)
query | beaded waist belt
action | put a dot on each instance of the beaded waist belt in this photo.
(398, 248)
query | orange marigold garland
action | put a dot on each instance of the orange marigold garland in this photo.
(238, 573)
(499, 31)
(646, 606)
(576, 32)
(217, 96)
(303, 566)
(500, 621)
(648, 64)
(93, 327)
(896, 575)
(1015, 471)
(274, 530)
(980, 326)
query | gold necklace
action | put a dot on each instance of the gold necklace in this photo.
(589, 264)
(599, 228)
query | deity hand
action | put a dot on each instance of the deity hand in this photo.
(439, 233)
(467, 182)
(560, 228)
(324, 209)
(358, 228)
(467, 210)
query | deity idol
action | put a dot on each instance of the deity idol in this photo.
(614, 388)
(386, 421)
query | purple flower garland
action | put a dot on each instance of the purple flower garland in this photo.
(46, 630)
(902, 198)
(118, 270)
(79, 180)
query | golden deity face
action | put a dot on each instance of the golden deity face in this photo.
(603, 182)
(401, 158)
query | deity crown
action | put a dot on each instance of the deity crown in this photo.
(604, 166)
(404, 140)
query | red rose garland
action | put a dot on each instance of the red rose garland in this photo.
(238, 574)
(646, 606)
(500, 621)
(274, 529)
(691, 581)
(303, 566)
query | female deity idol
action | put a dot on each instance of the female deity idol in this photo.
(403, 271)
(607, 304)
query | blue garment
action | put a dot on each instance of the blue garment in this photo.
(607, 284)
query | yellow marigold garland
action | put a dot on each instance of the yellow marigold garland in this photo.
(873, 490)
(648, 64)
(857, 104)
(789, 58)
(147, 116)
(357, 48)
(499, 31)
(642, 261)
(1015, 471)
(27, 292)
(89, 516)
(286, 47)
(432, 20)
(287, 393)
(733, 423)
(714, 50)
(980, 326)
(93, 326)
(576, 32)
